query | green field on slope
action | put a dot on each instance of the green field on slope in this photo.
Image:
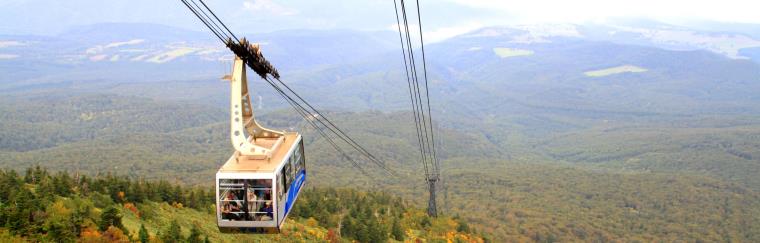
(504, 52)
(615, 70)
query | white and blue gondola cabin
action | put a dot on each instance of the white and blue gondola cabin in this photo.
(258, 185)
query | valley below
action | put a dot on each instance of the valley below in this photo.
(563, 140)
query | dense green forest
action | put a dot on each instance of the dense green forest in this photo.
(39, 205)
(512, 180)
(531, 148)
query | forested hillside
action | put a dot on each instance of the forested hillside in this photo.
(59, 207)
(505, 194)
(541, 137)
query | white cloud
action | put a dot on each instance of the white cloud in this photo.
(4, 44)
(591, 10)
(451, 31)
(7, 56)
(269, 7)
(439, 34)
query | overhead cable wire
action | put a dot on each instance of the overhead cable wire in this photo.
(301, 111)
(426, 119)
(409, 84)
(414, 89)
(427, 91)
(303, 114)
(409, 78)
(220, 21)
(299, 107)
(420, 112)
(422, 120)
(335, 129)
(203, 20)
(219, 29)
(318, 117)
(415, 80)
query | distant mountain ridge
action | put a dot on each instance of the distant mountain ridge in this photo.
(115, 32)
(161, 43)
(634, 32)
(114, 46)
(555, 133)
(340, 65)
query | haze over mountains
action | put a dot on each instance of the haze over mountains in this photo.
(555, 57)
(632, 70)
(628, 129)
(260, 16)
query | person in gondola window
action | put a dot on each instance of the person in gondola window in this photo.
(253, 204)
(233, 208)
(268, 210)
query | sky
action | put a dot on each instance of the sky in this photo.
(743, 11)
(441, 18)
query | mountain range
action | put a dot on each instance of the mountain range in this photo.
(628, 129)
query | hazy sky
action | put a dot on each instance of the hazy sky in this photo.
(441, 18)
(589, 10)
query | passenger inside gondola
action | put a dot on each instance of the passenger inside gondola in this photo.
(246, 200)
(267, 212)
(230, 208)
(253, 203)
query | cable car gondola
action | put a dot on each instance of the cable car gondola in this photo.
(258, 185)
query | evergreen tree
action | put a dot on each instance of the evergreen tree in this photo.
(46, 189)
(462, 226)
(144, 236)
(192, 200)
(177, 194)
(173, 233)
(40, 173)
(195, 235)
(29, 176)
(58, 224)
(59, 231)
(375, 232)
(362, 233)
(19, 218)
(425, 222)
(136, 192)
(81, 212)
(110, 217)
(63, 184)
(9, 185)
(324, 219)
(347, 228)
(84, 185)
(396, 231)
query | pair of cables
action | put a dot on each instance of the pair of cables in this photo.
(419, 93)
(256, 61)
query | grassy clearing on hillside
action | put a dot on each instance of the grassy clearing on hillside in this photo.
(504, 52)
(615, 70)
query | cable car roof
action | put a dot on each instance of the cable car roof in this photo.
(241, 163)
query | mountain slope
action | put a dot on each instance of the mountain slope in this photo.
(504, 173)
(526, 134)
(115, 209)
